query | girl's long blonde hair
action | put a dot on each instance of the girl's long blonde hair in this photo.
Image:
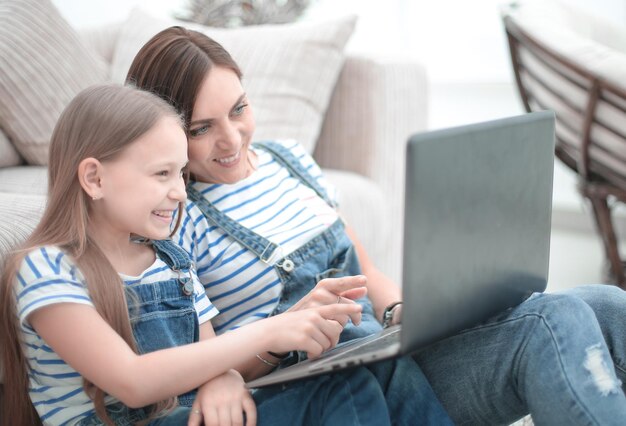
(100, 122)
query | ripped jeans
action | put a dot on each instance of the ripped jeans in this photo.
(550, 357)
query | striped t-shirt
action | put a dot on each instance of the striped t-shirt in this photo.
(274, 205)
(48, 276)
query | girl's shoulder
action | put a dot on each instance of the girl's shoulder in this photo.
(47, 261)
(48, 275)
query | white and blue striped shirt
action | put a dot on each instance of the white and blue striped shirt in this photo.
(273, 204)
(48, 276)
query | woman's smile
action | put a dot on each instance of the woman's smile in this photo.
(229, 161)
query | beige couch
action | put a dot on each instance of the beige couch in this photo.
(356, 126)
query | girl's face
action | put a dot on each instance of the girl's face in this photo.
(221, 129)
(142, 186)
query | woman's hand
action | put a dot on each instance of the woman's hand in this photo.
(223, 402)
(334, 290)
(312, 330)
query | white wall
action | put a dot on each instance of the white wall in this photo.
(460, 42)
(81, 13)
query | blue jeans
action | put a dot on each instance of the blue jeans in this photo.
(547, 356)
(351, 398)
(609, 305)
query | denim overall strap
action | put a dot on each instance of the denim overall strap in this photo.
(163, 313)
(170, 253)
(263, 248)
(286, 158)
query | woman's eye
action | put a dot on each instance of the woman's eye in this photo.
(198, 131)
(239, 109)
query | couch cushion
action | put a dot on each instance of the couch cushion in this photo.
(365, 208)
(31, 180)
(289, 70)
(42, 66)
(20, 214)
(8, 155)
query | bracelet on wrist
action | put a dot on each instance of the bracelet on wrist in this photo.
(388, 313)
(266, 362)
(279, 356)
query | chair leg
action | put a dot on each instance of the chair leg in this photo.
(602, 215)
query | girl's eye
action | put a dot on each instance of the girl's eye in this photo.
(198, 131)
(163, 173)
(239, 109)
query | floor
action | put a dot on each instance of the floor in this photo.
(575, 258)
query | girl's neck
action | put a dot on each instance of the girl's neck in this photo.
(126, 256)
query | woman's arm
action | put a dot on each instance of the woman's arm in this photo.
(81, 337)
(381, 289)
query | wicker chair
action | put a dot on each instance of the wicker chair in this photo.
(575, 67)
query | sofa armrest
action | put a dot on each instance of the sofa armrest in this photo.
(376, 106)
(101, 40)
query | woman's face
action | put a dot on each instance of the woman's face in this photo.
(221, 129)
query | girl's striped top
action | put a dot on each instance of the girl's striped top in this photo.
(274, 205)
(48, 276)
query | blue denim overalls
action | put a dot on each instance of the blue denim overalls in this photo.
(162, 315)
(329, 254)
(409, 397)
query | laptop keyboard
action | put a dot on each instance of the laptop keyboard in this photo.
(366, 345)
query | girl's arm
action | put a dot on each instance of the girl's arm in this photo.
(348, 287)
(81, 337)
(224, 399)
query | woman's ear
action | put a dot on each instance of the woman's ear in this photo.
(89, 174)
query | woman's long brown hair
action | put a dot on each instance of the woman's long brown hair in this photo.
(174, 63)
(100, 122)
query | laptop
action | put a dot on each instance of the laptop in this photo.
(477, 220)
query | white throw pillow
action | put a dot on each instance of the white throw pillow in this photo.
(43, 65)
(289, 70)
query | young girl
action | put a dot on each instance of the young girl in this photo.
(103, 319)
(262, 227)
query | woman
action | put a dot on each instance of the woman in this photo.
(264, 232)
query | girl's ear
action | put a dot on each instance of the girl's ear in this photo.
(89, 174)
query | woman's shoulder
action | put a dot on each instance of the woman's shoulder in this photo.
(293, 148)
(291, 145)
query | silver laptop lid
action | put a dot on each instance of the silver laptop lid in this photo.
(477, 222)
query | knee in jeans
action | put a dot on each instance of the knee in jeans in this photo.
(565, 308)
(599, 295)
